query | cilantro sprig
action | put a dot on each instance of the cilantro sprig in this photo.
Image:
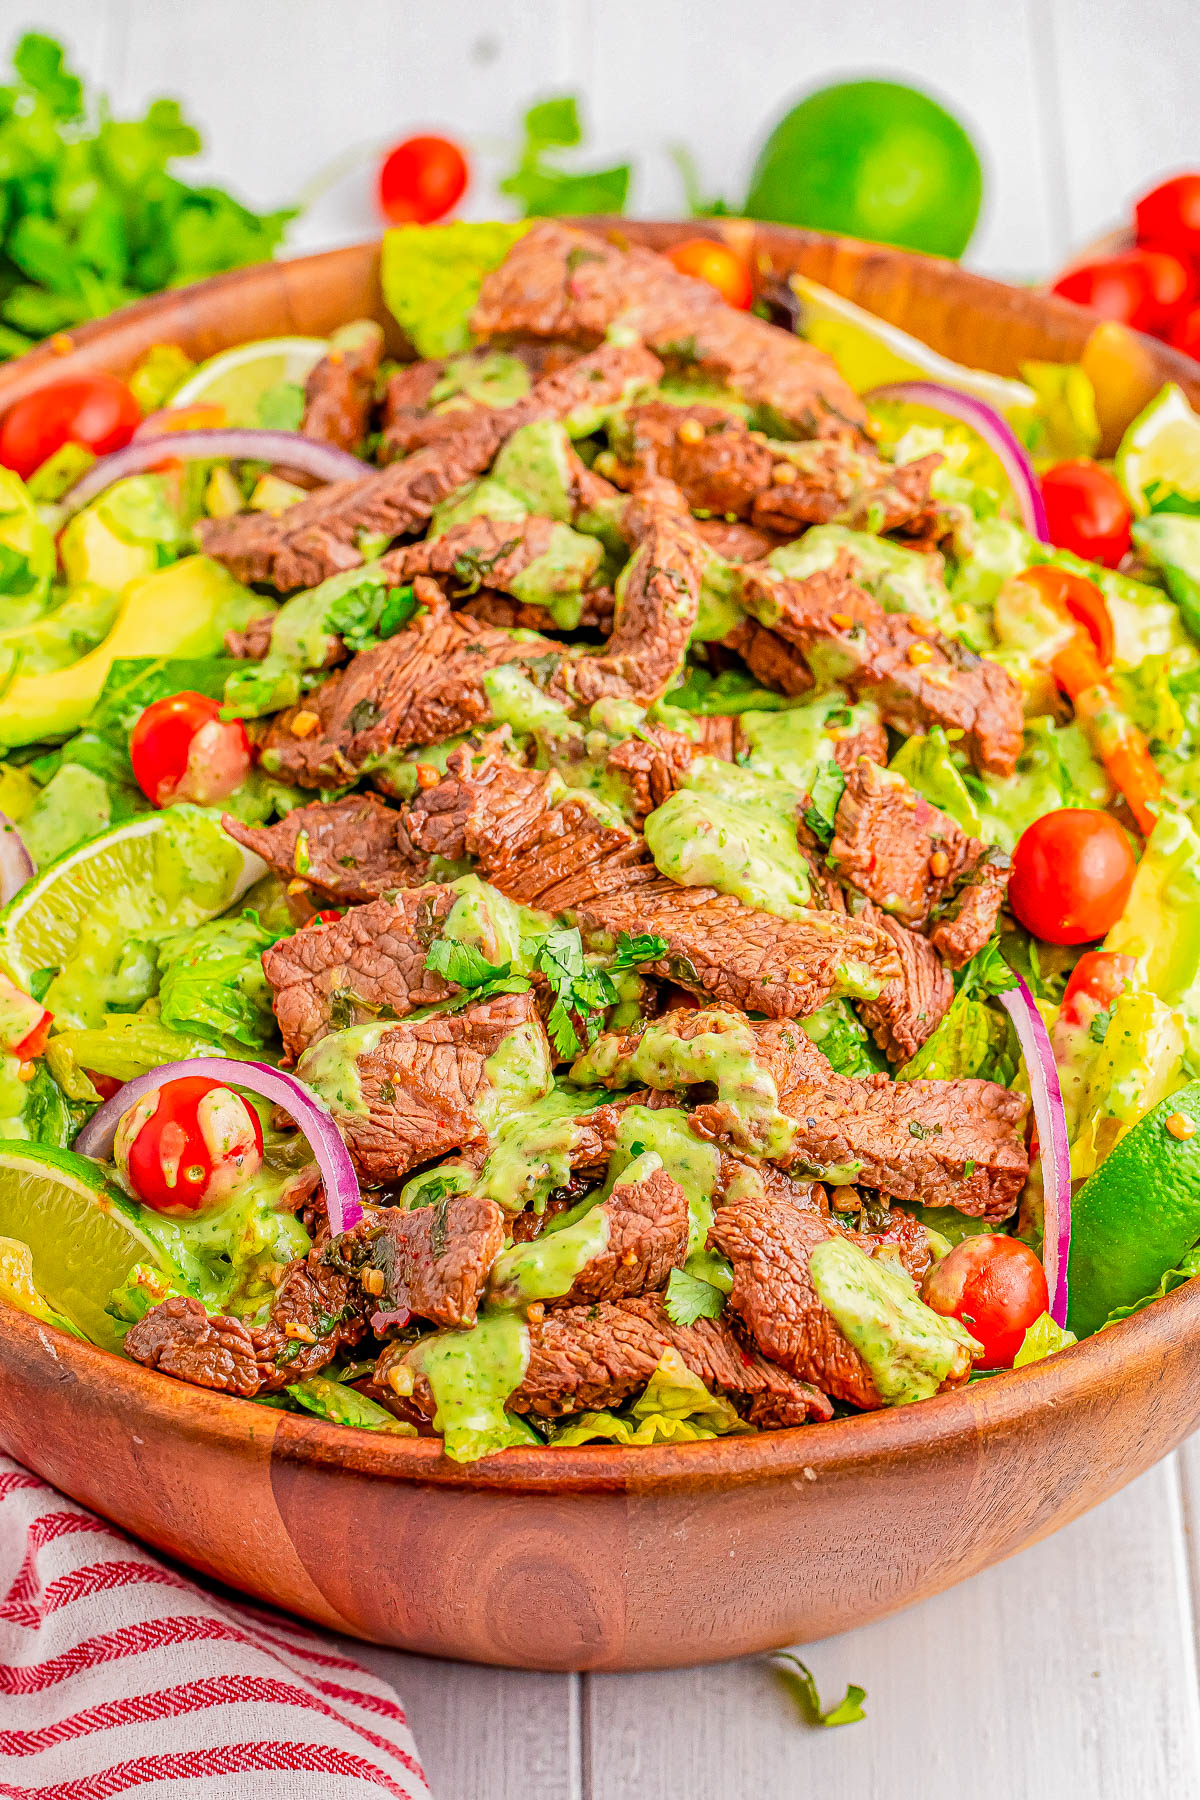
(690, 1298)
(468, 968)
(541, 187)
(583, 991)
(92, 218)
(799, 1679)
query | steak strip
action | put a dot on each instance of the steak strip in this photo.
(558, 282)
(319, 535)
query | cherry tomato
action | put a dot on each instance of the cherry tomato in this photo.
(1170, 215)
(1118, 287)
(421, 180)
(181, 749)
(718, 265)
(1071, 875)
(1095, 982)
(1080, 598)
(185, 1148)
(1171, 282)
(94, 410)
(1087, 512)
(996, 1287)
(1185, 333)
(105, 1085)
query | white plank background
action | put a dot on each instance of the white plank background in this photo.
(1070, 1671)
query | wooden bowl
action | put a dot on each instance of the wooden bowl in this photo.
(603, 1557)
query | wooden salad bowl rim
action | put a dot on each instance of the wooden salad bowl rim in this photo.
(962, 315)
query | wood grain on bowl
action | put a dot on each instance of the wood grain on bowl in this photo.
(603, 1557)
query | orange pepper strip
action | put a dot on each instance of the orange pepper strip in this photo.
(1119, 744)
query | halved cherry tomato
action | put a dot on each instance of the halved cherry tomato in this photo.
(717, 264)
(421, 180)
(1071, 875)
(186, 1147)
(33, 1044)
(95, 410)
(181, 749)
(1172, 284)
(1096, 981)
(1079, 597)
(1117, 287)
(1087, 512)
(105, 1085)
(996, 1287)
(1169, 215)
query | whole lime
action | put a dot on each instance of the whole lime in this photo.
(871, 159)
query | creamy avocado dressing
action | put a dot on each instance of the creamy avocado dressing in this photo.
(531, 1149)
(502, 930)
(723, 1054)
(734, 830)
(515, 701)
(547, 1266)
(535, 464)
(909, 1349)
(902, 580)
(791, 746)
(517, 1073)
(471, 1374)
(496, 378)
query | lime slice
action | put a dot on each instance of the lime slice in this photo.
(870, 352)
(82, 1230)
(1161, 447)
(237, 379)
(1139, 1214)
(81, 914)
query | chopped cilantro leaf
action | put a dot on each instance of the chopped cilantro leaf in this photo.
(645, 947)
(799, 1679)
(689, 1298)
(463, 963)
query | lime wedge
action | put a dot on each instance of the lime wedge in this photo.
(81, 914)
(870, 352)
(83, 1232)
(1162, 446)
(237, 379)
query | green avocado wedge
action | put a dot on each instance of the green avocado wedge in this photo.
(1138, 1215)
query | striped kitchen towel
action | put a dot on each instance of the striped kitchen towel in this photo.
(118, 1675)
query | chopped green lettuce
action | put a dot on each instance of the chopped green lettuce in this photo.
(211, 982)
(432, 275)
(1043, 1338)
(842, 1038)
(974, 1039)
(926, 763)
(676, 1406)
(800, 1680)
(343, 1405)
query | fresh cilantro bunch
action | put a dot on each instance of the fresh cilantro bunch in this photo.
(540, 187)
(90, 217)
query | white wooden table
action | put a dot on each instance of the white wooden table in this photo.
(1070, 1671)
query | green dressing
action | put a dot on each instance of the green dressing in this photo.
(546, 1267)
(733, 830)
(665, 1134)
(909, 1349)
(471, 1374)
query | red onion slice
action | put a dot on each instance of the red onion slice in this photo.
(995, 432)
(1051, 1118)
(286, 449)
(16, 864)
(343, 1201)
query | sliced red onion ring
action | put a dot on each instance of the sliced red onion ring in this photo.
(995, 432)
(16, 864)
(286, 449)
(343, 1201)
(1051, 1118)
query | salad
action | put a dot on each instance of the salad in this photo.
(615, 878)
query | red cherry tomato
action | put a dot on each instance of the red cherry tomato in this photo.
(96, 410)
(1071, 875)
(1087, 512)
(1096, 981)
(421, 180)
(1185, 333)
(996, 1287)
(1078, 597)
(1169, 215)
(717, 264)
(185, 1148)
(1118, 287)
(1172, 284)
(181, 749)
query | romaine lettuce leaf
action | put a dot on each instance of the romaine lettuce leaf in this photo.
(1044, 1338)
(926, 763)
(211, 982)
(432, 275)
(974, 1039)
(675, 1406)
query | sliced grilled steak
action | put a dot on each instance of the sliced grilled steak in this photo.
(582, 1358)
(178, 1337)
(369, 964)
(557, 282)
(498, 552)
(417, 1088)
(769, 1242)
(407, 406)
(916, 676)
(916, 863)
(913, 1003)
(435, 1259)
(723, 950)
(541, 852)
(942, 1143)
(730, 538)
(869, 740)
(347, 850)
(318, 1310)
(340, 390)
(654, 764)
(724, 468)
(319, 536)
(507, 614)
(772, 661)
(421, 686)
(658, 597)
(646, 1223)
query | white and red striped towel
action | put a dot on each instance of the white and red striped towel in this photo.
(120, 1676)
